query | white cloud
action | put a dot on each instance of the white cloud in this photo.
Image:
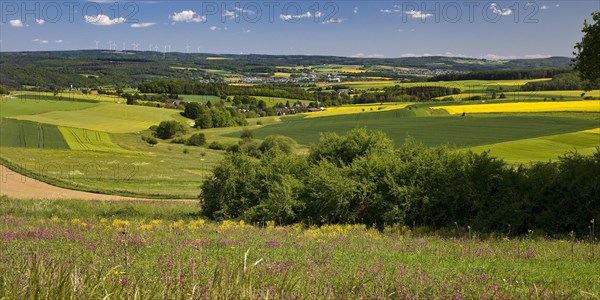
(188, 16)
(40, 21)
(362, 55)
(142, 25)
(332, 21)
(246, 30)
(543, 7)
(213, 28)
(557, 5)
(503, 12)
(418, 14)
(533, 56)
(386, 11)
(355, 10)
(298, 17)
(103, 20)
(40, 41)
(15, 23)
(59, 41)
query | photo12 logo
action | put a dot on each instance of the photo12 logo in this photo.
(100, 13)
(469, 11)
(18, 13)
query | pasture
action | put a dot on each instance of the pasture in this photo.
(108, 117)
(67, 96)
(14, 106)
(23, 134)
(152, 250)
(431, 130)
(544, 148)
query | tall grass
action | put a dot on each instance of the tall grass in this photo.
(64, 250)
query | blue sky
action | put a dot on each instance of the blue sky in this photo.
(486, 29)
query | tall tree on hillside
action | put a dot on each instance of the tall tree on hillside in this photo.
(587, 56)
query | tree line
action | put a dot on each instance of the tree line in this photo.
(568, 81)
(222, 90)
(362, 178)
(501, 75)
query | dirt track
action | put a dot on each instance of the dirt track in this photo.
(17, 186)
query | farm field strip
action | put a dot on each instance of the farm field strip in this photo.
(354, 109)
(23, 134)
(107, 117)
(532, 107)
(83, 139)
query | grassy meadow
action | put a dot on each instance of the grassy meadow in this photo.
(164, 250)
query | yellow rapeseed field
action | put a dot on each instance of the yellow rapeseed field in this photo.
(595, 130)
(585, 106)
(354, 109)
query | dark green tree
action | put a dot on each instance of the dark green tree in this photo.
(168, 129)
(587, 54)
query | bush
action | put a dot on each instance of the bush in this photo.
(197, 139)
(361, 178)
(168, 129)
(247, 134)
(281, 143)
(4, 91)
(192, 110)
(215, 145)
(152, 141)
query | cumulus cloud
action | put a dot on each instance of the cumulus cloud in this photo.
(543, 7)
(103, 20)
(16, 23)
(236, 11)
(418, 14)
(355, 10)
(497, 10)
(213, 28)
(40, 21)
(59, 41)
(142, 25)
(188, 16)
(298, 17)
(40, 41)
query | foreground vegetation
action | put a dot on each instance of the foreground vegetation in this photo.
(158, 250)
(360, 178)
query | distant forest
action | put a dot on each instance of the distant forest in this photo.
(96, 68)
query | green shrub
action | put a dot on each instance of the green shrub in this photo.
(168, 129)
(197, 139)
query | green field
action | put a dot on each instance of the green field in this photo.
(163, 171)
(164, 250)
(108, 117)
(201, 98)
(83, 139)
(543, 148)
(67, 96)
(23, 134)
(10, 107)
(456, 131)
(271, 101)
